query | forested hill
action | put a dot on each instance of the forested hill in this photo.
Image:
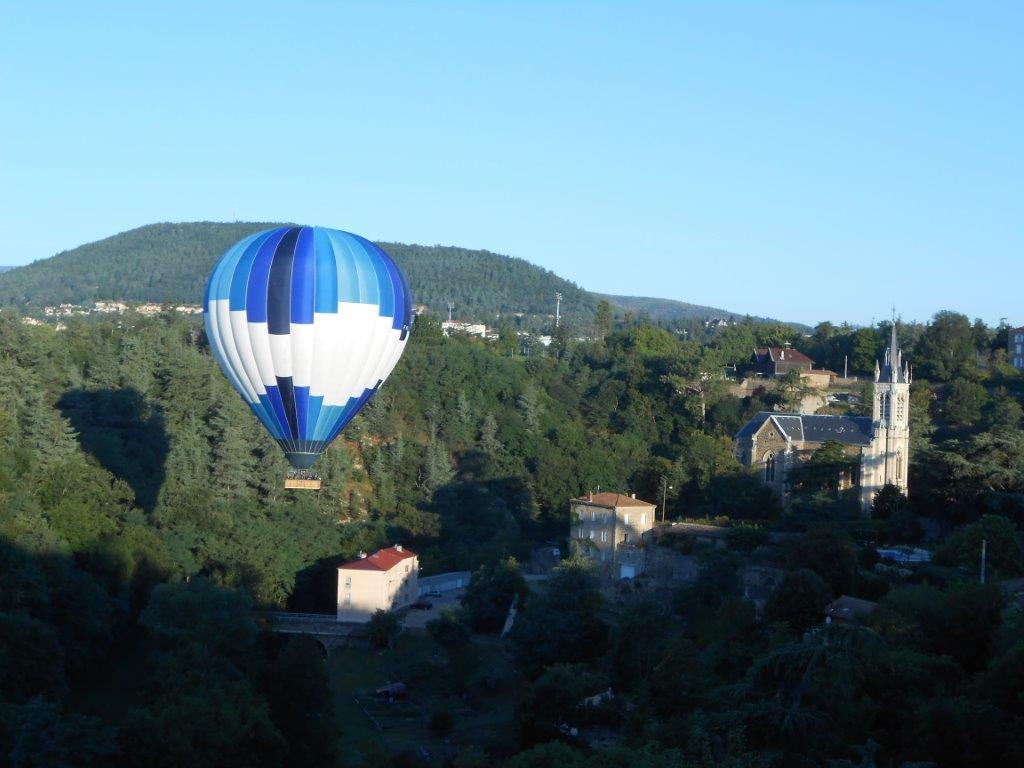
(170, 262)
(669, 310)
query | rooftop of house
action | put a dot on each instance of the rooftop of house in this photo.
(381, 560)
(613, 500)
(849, 608)
(813, 428)
(687, 528)
(781, 355)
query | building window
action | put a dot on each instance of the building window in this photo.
(581, 532)
(626, 518)
(591, 535)
(769, 468)
(643, 520)
(593, 515)
(899, 466)
(604, 535)
(625, 538)
(348, 599)
(901, 407)
(348, 581)
(883, 406)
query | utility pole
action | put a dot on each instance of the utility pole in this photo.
(451, 306)
(846, 363)
(984, 547)
(665, 487)
(558, 307)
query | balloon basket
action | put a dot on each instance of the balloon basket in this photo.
(306, 481)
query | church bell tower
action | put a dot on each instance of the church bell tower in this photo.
(885, 460)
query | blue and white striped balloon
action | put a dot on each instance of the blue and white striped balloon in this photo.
(306, 323)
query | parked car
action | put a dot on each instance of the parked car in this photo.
(422, 605)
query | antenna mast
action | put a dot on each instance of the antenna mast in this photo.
(558, 307)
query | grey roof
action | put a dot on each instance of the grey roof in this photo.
(754, 424)
(813, 428)
(791, 426)
(851, 430)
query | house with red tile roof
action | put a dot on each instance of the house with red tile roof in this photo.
(383, 581)
(775, 361)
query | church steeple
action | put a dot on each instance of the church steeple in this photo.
(885, 460)
(894, 371)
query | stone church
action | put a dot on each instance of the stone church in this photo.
(775, 442)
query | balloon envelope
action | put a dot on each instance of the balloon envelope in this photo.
(306, 324)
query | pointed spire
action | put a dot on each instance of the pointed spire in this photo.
(893, 369)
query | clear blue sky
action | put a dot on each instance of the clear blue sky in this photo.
(807, 161)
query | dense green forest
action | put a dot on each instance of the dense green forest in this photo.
(142, 519)
(170, 263)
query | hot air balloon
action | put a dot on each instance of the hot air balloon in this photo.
(306, 324)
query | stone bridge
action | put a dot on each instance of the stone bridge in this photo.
(325, 628)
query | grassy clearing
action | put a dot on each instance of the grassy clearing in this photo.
(476, 685)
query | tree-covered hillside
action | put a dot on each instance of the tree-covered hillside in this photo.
(159, 262)
(668, 310)
(170, 262)
(142, 517)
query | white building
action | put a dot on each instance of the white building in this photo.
(383, 581)
(470, 329)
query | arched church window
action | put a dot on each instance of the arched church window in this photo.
(901, 407)
(769, 468)
(899, 466)
(883, 406)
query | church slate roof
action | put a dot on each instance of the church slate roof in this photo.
(813, 428)
(850, 430)
(751, 427)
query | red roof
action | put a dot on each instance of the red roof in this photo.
(381, 560)
(613, 500)
(782, 354)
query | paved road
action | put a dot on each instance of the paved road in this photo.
(415, 619)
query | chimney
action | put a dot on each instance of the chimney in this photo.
(398, 547)
(362, 555)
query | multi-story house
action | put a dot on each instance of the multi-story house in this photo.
(612, 530)
(383, 581)
(1015, 348)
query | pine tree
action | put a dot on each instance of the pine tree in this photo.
(529, 408)
(488, 442)
(438, 468)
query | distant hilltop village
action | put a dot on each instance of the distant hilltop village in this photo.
(62, 311)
